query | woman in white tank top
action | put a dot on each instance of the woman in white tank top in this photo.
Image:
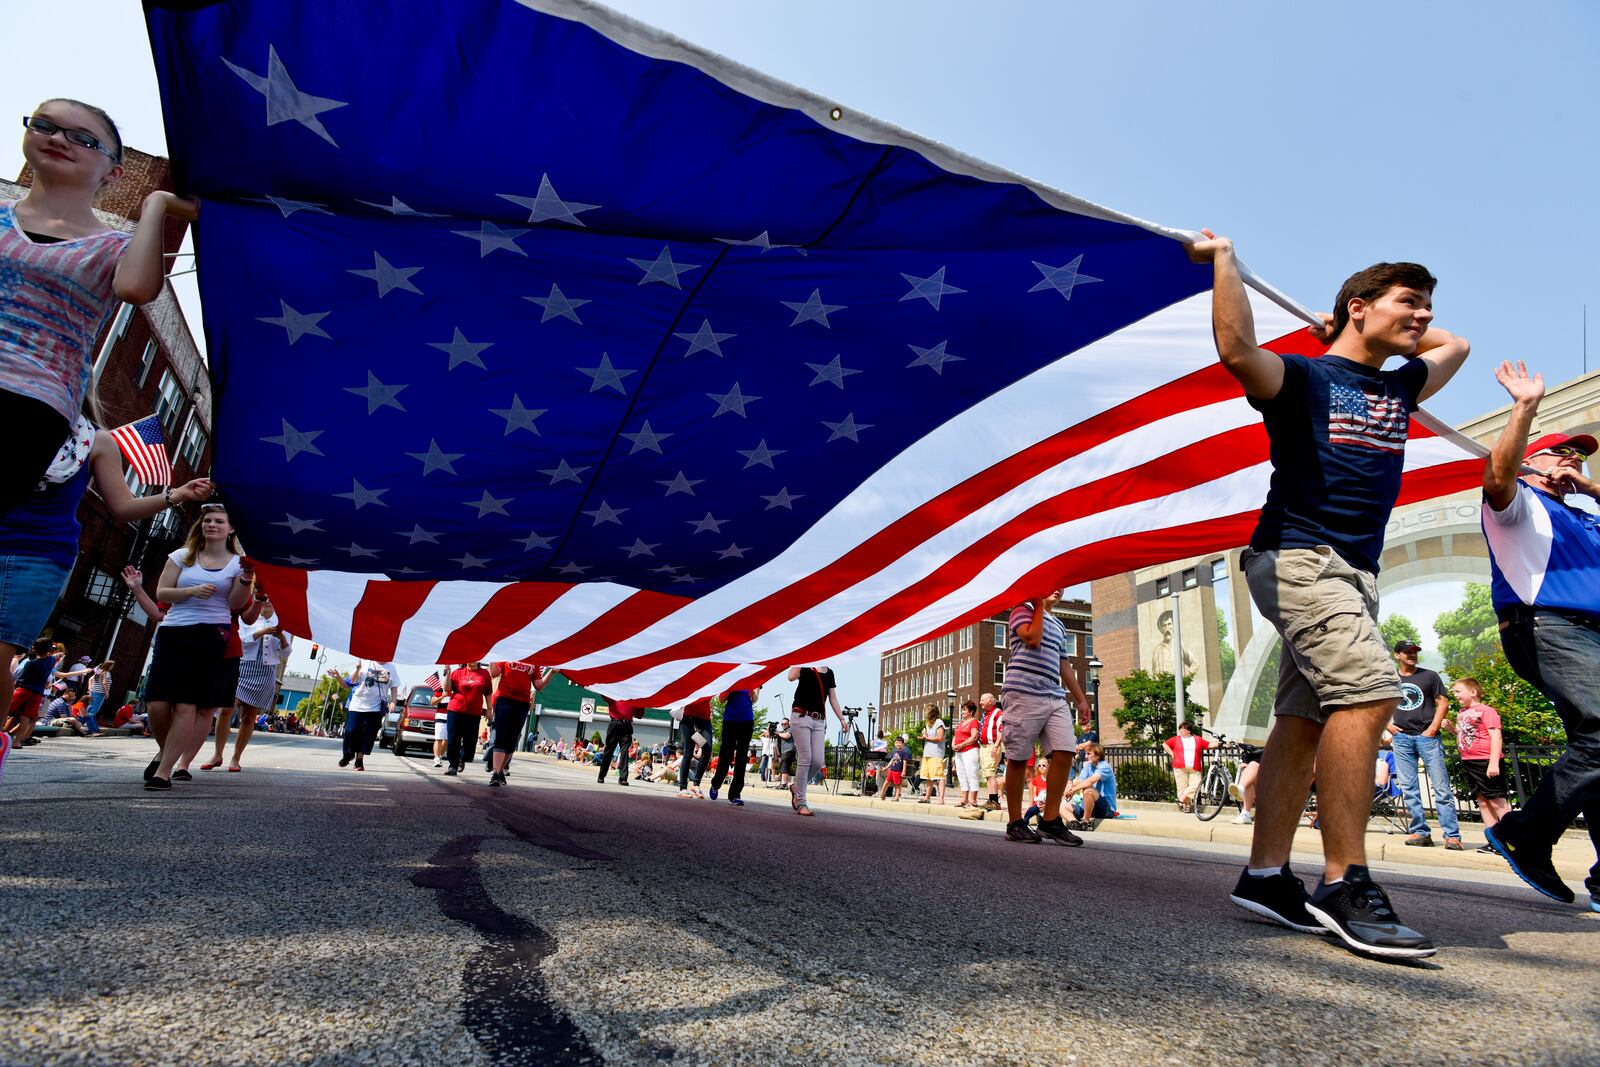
(206, 582)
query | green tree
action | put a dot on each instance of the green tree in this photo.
(1396, 628)
(1261, 701)
(1225, 654)
(1468, 632)
(1146, 715)
(324, 704)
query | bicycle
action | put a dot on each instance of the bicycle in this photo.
(1216, 788)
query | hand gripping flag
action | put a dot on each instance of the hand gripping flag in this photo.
(538, 333)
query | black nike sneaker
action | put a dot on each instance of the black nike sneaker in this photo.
(1357, 910)
(1280, 897)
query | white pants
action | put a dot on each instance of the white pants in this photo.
(967, 770)
(809, 736)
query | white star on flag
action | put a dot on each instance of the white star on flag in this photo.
(296, 324)
(546, 206)
(559, 305)
(932, 288)
(388, 276)
(1062, 278)
(812, 309)
(662, 269)
(285, 103)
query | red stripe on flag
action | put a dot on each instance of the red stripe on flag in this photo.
(644, 608)
(700, 676)
(286, 587)
(1201, 462)
(1209, 385)
(506, 612)
(1128, 552)
(384, 609)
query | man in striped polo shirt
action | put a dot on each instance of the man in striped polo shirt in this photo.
(1037, 713)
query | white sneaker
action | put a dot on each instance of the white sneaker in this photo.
(1236, 792)
(438, 762)
(1243, 819)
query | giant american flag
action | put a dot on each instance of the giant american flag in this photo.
(539, 333)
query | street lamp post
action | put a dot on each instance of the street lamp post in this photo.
(949, 732)
(1095, 666)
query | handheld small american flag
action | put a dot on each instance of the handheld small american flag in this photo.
(432, 682)
(146, 449)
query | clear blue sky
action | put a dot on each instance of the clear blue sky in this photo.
(1459, 135)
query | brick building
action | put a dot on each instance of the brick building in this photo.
(956, 667)
(146, 361)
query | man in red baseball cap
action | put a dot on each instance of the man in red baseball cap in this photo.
(1544, 551)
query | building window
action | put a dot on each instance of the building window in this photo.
(1071, 647)
(1219, 570)
(170, 402)
(1088, 645)
(101, 586)
(194, 445)
(1164, 587)
(999, 671)
(1190, 578)
(147, 359)
(999, 635)
(135, 483)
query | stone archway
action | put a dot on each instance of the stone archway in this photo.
(1434, 541)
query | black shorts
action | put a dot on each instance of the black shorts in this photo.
(1479, 784)
(510, 716)
(183, 667)
(786, 766)
(225, 687)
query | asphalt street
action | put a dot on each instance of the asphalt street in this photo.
(298, 913)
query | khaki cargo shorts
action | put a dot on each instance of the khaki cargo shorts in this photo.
(988, 760)
(1326, 611)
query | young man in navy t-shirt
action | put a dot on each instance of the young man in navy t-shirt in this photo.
(1337, 429)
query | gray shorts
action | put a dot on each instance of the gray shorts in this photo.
(1326, 611)
(1031, 718)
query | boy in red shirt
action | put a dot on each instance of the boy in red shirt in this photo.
(1479, 743)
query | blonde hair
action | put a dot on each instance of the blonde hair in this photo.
(930, 712)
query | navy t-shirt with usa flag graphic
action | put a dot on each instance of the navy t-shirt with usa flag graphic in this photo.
(1338, 435)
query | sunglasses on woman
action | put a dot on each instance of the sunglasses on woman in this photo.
(82, 138)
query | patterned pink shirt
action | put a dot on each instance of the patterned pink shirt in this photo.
(54, 299)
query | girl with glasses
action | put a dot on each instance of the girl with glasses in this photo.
(66, 272)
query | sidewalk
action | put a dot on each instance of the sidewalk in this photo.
(1573, 856)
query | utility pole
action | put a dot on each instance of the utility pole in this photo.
(1177, 661)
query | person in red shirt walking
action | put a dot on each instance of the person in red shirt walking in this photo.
(467, 686)
(619, 738)
(512, 701)
(1187, 753)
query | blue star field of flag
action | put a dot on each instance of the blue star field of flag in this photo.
(490, 296)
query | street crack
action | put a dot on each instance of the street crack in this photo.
(506, 1004)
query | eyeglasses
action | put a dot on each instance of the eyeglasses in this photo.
(1572, 451)
(81, 138)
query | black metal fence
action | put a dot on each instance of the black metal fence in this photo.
(1145, 773)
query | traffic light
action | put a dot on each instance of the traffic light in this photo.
(314, 650)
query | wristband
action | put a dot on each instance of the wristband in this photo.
(166, 494)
